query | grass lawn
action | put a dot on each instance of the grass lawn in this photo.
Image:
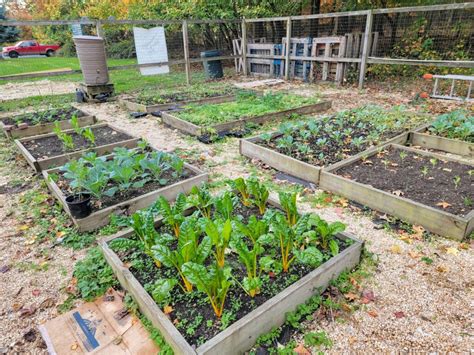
(30, 65)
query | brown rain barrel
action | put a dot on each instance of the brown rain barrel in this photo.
(91, 53)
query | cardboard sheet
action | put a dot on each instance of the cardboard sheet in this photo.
(100, 327)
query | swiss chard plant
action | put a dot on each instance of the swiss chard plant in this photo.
(173, 214)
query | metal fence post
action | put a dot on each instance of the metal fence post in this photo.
(243, 46)
(99, 29)
(365, 50)
(288, 48)
(186, 52)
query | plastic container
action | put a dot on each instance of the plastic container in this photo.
(212, 68)
(79, 205)
(91, 53)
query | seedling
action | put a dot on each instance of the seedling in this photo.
(433, 162)
(424, 170)
(403, 155)
(457, 181)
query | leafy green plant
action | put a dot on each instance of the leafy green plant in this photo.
(249, 257)
(202, 200)
(259, 194)
(220, 233)
(288, 204)
(65, 138)
(326, 232)
(172, 214)
(215, 281)
(240, 185)
(189, 250)
(88, 134)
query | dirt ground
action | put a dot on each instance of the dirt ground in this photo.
(417, 306)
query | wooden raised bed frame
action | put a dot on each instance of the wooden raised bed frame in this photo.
(195, 130)
(101, 218)
(421, 138)
(241, 335)
(432, 219)
(51, 162)
(137, 107)
(292, 166)
(84, 119)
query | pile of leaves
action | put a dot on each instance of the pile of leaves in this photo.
(233, 243)
(123, 170)
(333, 138)
(458, 124)
(48, 116)
(154, 96)
(247, 104)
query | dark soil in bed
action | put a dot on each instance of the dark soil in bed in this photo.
(332, 151)
(52, 146)
(192, 313)
(49, 116)
(429, 181)
(130, 193)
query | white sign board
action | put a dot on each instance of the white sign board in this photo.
(150, 45)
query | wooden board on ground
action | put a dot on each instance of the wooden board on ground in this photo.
(15, 132)
(101, 327)
(41, 164)
(250, 148)
(102, 217)
(137, 107)
(432, 219)
(241, 335)
(195, 130)
(258, 83)
(422, 138)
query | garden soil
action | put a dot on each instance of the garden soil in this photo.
(417, 306)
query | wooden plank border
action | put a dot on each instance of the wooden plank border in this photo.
(421, 137)
(135, 106)
(50, 162)
(250, 148)
(102, 217)
(195, 130)
(434, 220)
(241, 335)
(84, 119)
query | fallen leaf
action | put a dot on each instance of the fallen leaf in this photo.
(23, 227)
(395, 249)
(168, 309)
(27, 311)
(30, 336)
(60, 234)
(343, 202)
(74, 346)
(464, 246)
(399, 315)
(351, 296)
(117, 340)
(443, 204)
(271, 274)
(47, 303)
(346, 307)
(17, 306)
(452, 251)
(352, 340)
(36, 292)
(5, 268)
(413, 254)
(300, 349)
(419, 230)
(367, 296)
(406, 238)
(368, 162)
(442, 268)
(448, 170)
(372, 313)
(176, 321)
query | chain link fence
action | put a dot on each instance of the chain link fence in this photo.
(339, 47)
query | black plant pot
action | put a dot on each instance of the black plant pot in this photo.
(79, 205)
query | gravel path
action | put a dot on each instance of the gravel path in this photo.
(21, 90)
(436, 299)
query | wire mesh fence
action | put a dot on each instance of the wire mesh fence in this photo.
(331, 47)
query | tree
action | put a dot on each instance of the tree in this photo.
(7, 33)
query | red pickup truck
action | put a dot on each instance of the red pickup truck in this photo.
(29, 48)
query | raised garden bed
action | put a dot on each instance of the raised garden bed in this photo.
(155, 100)
(417, 186)
(211, 121)
(452, 133)
(191, 326)
(302, 149)
(121, 183)
(50, 150)
(41, 122)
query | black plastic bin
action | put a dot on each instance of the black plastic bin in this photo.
(212, 68)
